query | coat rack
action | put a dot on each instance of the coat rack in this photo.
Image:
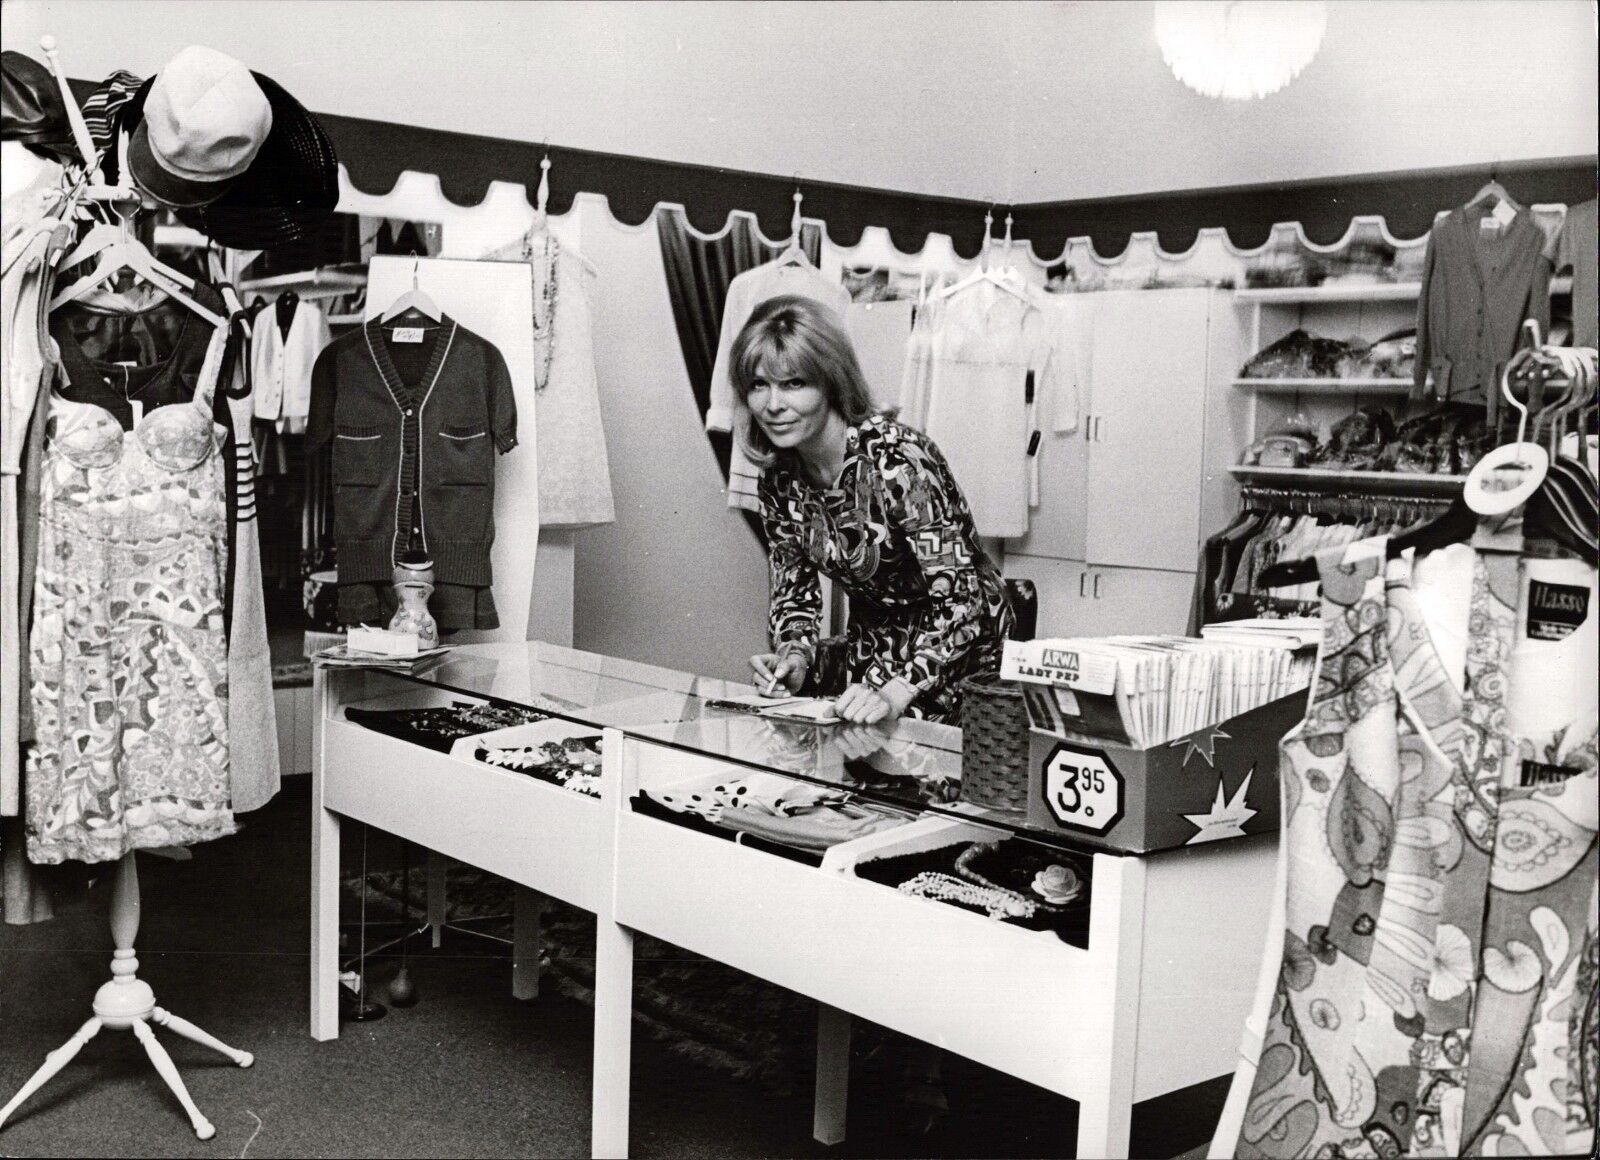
(126, 1003)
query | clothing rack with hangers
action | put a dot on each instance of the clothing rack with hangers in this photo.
(1336, 503)
(322, 282)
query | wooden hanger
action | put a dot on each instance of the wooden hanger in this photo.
(413, 299)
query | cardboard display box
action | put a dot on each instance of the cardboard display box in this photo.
(1218, 782)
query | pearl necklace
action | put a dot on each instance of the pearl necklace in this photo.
(1069, 890)
(994, 901)
(544, 332)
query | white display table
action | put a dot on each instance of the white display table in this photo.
(1153, 1003)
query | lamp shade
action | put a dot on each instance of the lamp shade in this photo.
(1239, 49)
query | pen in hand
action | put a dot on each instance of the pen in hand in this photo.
(772, 684)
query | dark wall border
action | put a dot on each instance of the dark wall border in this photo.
(1407, 200)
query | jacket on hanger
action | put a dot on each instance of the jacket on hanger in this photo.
(280, 364)
(1478, 285)
(414, 431)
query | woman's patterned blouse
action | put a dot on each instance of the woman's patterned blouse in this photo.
(895, 531)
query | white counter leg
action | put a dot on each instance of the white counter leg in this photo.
(527, 940)
(324, 886)
(1105, 1114)
(833, 1075)
(437, 864)
(1103, 1127)
(613, 1038)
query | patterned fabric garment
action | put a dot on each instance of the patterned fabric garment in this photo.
(1427, 1002)
(129, 676)
(926, 603)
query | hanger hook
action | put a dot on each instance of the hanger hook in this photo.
(415, 263)
(543, 195)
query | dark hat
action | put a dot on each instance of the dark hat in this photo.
(30, 107)
(285, 194)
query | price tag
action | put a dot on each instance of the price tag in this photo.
(406, 334)
(1082, 789)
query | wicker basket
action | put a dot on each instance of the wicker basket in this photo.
(994, 743)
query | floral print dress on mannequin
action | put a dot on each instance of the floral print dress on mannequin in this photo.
(129, 677)
(1439, 912)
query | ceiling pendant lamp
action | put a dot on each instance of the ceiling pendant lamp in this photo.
(1239, 50)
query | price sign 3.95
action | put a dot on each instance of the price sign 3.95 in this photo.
(1082, 789)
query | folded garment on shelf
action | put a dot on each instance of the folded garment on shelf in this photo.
(572, 764)
(440, 727)
(1356, 442)
(1445, 441)
(791, 813)
(1303, 355)
(646, 806)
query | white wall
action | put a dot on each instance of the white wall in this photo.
(986, 100)
(1398, 84)
(678, 580)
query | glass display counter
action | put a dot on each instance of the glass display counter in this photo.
(836, 861)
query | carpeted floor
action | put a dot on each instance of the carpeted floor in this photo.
(468, 1071)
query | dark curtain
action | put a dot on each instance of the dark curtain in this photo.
(698, 274)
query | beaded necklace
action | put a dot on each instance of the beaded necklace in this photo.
(995, 901)
(544, 320)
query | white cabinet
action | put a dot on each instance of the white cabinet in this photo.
(1138, 600)
(1124, 499)
(1145, 428)
(1077, 599)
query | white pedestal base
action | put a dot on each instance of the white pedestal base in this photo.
(128, 1003)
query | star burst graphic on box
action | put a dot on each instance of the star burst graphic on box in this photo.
(1228, 815)
(1203, 742)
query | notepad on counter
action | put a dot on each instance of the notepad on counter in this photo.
(805, 710)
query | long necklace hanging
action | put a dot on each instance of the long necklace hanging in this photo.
(544, 309)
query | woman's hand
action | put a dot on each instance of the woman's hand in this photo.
(778, 676)
(858, 742)
(864, 705)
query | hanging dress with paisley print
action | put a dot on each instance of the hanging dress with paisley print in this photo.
(1436, 994)
(129, 659)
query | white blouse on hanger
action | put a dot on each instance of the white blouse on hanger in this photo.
(975, 383)
(280, 364)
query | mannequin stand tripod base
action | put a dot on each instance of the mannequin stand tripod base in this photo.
(128, 1003)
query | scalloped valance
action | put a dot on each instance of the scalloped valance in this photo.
(376, 153)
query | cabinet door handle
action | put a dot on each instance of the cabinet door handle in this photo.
(1083, 579)
(1097, 586)
(1088, 428)
(1098, 432)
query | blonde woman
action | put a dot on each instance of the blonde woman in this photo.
(871, 504)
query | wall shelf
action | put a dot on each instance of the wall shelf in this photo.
(1326, 386)
(1338, 292)
(1377, 482)
(1353, 292)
